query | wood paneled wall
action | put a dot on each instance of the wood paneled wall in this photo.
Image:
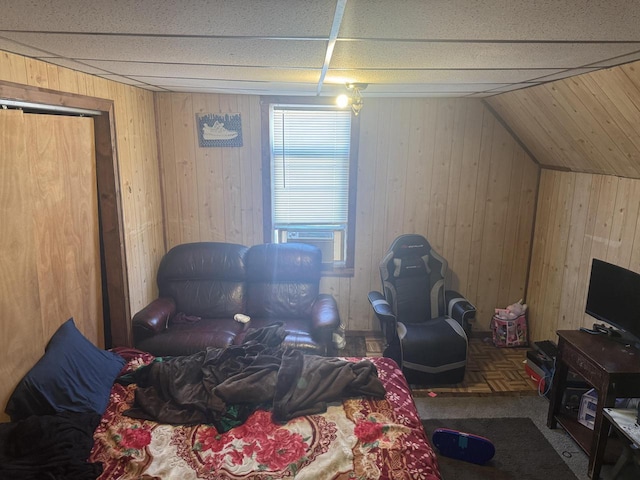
(580, 217)
(210, 194)
(588, 123)
(137, 157)
(442, 168)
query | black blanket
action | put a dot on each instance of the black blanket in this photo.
(224, 386)
(49, 447)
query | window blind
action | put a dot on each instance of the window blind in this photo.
(310, 165)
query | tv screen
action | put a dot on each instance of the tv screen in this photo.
(614, 296)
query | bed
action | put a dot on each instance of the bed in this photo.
(357, 438)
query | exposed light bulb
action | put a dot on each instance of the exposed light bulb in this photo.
(342, 101)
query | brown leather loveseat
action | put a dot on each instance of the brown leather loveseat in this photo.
(202, 286)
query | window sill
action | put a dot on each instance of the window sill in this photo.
(331, 271)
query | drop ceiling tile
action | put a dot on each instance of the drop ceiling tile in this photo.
(422, 88)
(225, 85)
(380, 54)
(508, 88)
(73, 65)
(174, 17)
(493, 20)
(181, 70)
(565, 74)
(125, 80)
(211, 51)
(14, 47)
(618, 60)
(434, 76)
(400, 94)
(480, 95)
(275, 90)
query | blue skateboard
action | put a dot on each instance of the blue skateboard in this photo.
(463, 446)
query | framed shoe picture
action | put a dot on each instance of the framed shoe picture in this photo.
(216, 130)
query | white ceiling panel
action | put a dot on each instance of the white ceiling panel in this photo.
(380, 54)
(128, 81)
(237, 18)
(13, 47)
(207, 51)
(182, 70)
(559, 20)
(418, 90)
(74, 65)
(618, 61)
(399, 47)
(391, 76)
(565, 74)
(228, 85)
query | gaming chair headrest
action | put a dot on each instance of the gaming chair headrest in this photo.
(410, 245)
(406, 257)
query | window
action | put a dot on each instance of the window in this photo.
(309, 177)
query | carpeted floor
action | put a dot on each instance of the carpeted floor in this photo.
(495, 386)
(522, 451)
(533, 407)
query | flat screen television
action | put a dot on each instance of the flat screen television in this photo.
(614, 298)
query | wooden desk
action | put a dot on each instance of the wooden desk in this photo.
(612, 368)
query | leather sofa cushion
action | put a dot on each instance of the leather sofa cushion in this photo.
(188, 338)
(204, 281)
(282, 280)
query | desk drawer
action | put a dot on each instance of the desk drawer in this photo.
(582, 366)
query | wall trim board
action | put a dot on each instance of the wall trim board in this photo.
(109, 197)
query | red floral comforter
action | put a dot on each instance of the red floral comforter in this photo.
(359, 439)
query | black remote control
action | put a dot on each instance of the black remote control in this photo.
(592, 332)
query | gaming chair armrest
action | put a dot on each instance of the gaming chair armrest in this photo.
(459, 308)
(384, 312)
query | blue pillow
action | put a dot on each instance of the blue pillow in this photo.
(73, 375)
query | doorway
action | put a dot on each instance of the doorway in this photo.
(111, 236)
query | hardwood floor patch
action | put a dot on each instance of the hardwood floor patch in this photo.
(490, 370)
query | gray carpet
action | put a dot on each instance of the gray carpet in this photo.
(532, 407)
(522, 451)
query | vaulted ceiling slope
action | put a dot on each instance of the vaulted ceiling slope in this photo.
(401, 48)
(587, 123)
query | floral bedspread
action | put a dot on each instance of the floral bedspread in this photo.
(359, 439)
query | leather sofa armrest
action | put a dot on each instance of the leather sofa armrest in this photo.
(153, 318)
(459, 308)
(384, 312)
(324, 313)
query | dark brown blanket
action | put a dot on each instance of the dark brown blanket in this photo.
(224, 386)
(52, 447)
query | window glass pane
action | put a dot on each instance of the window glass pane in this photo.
(310, 165)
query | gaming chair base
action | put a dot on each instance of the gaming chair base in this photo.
(434, 352)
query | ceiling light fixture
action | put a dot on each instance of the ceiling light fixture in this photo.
(354, 98)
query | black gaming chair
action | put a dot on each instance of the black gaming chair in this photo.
(424, 325)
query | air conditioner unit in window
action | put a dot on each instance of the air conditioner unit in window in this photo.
(324, 240)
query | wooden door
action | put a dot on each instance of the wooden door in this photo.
(49, 246)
